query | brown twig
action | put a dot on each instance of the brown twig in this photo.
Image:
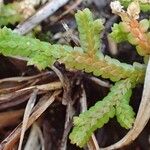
(100, 82)
(45, 87)
(65, 83)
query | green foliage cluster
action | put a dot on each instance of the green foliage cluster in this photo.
(98, 65)
(43, 54)
(106, 67)
(17, 11)
(115, 103)
(86, 58)
(40, 54)
(90, 34)
(9, 14)
(145, 7)
(138, 36)
(118, 34)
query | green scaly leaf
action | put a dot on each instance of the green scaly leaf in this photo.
(43, 54)
(145, 7)
(101, 112)
(9, 14)
(118, 34)
(89, 31)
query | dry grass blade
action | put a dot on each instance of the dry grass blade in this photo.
(66, 85)
(45, 87)
(33, 139)
(142, 118)
(17, 97)
(22, 79)
(14, 99)
(100, 82)
(27, 113)
(40, 107)
(60, 75)
(9, 85)
(14, 87)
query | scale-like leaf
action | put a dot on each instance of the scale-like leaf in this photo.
(105, 66)
(43, 54)
(118, 34)
(145, 7)
(89, 31)
(9, 14)
(98, 115)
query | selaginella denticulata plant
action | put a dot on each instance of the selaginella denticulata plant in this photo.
(90, 59)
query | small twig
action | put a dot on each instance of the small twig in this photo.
(44, 87)
(92, 143)
(41, 138)
(60, 75)
(39, 16)
(14, 99)
(7, 90)
(17, 97)
(69, 111)
(70, 34)
(83, 100)
(100, 82)
(112, 45)
(65, 83)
